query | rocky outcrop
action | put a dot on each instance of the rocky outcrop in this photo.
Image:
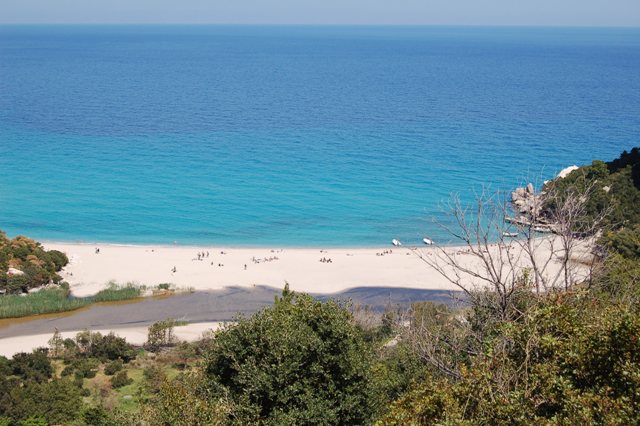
(526, 201)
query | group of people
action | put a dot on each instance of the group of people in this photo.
(384, 252)
(202, 255)
(264, 259)
(326, 260)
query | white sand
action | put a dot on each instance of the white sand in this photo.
(89, 272)
(134, 335)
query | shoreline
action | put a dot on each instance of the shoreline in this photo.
(418, 244)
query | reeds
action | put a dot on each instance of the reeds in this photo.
(58, 299)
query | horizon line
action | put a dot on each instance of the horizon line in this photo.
(257, 24)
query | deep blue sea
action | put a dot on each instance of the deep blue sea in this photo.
(294, 136)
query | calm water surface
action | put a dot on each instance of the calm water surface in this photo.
(298, 136)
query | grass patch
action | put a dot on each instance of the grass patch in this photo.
(115, 293)
(58, 299)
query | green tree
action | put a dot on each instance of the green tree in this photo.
(160, 334)
(57, 401)
(56, 344)
(300, 361)
(34, 366)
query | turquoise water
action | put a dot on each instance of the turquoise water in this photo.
(296, 136)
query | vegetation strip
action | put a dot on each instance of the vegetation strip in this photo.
(58, 299)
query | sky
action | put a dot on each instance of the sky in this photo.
(393, 12)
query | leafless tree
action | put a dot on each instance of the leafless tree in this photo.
(492, 258)
(500, 272)
(576, 229)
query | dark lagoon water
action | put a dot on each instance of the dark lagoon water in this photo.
(296, 136)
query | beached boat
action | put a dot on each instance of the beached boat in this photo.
(510, 234)
(396, 243)
(541, 229)
(427, 241)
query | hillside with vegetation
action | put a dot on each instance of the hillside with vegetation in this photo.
(25, 264)
(564, 356)
(613, 186)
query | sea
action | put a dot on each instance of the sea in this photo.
(295, 136)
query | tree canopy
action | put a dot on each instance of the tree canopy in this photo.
(300, 361)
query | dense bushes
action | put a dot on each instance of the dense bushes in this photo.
(34, 366)
(570, 357)
(625, 242)
(616, 186)
(36, 266)
(29, 389)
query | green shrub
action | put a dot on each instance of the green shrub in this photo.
(574, 359)
(97, 416)
(185, 401)
(34, 366)
(85, 367)
(625, 242)
(110, 347)
(113, 367)
(154, 376)
(120, 379)
(5, 367)
(34, 421)
(57, 402)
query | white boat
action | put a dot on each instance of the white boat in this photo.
(541, 229)
(510, 234)
(396, 243)
(427, 241)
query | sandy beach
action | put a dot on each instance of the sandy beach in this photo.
(318, 271)
(88, 272)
